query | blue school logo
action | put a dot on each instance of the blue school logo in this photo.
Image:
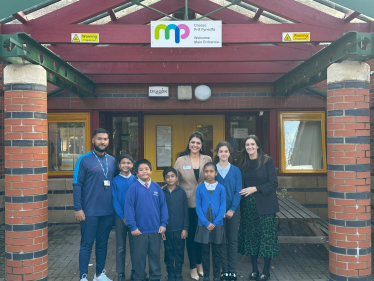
(155, 193)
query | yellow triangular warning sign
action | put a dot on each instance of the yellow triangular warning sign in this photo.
(287, 38)
(76, 38)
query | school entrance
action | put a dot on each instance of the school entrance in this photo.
(165, 136)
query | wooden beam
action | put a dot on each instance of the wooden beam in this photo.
(258, 14)
(140, 34)
(241, 53)
(183, 67)
(351, 15)
(298, 12)
(75, 13)
(189, 79)
(21, 17)
(228, 16)
(112, 15)
(144, 16)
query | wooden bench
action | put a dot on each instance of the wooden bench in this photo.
(291, 211)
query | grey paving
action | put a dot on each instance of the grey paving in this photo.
(295, 262)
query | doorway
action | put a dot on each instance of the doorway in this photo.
(165, 136)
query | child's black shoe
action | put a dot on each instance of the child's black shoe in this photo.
(233, 276)
(224, 276)
(216, 279)
(171, 276)
(254, 275)
(178, 277)
(263, 277)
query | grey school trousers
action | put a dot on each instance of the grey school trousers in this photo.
(230, 248)
(147, 244)
(121, 234)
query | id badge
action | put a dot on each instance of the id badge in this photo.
(186, 167)
(106, 183)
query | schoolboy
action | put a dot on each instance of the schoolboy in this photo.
(146, 215)
(177, 228)
(121, 184)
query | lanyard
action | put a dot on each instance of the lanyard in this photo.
(106, 160)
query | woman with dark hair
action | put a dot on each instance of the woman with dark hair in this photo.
(258, 234)
(189, 166)
(230, 177)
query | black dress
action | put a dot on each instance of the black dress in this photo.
(258, 234)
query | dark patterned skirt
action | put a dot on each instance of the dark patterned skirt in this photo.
(258, 234)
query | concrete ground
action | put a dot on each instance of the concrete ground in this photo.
(295, 262)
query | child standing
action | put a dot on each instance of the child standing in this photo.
(146, 215)
(121, 184)
(210, 209)
(177, 228)
(230, 177)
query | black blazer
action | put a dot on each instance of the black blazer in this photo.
(266, 184)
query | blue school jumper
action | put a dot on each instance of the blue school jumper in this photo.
(233, 184)
(145, 208)
(119, 190)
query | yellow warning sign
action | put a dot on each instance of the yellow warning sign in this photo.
(287, 38)
(301, 36)
(295, 36)
(75, 38)
(84, 37)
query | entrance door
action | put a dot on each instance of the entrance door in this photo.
(165, 136)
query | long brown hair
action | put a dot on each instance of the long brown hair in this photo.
(242, 160)
(219, 145)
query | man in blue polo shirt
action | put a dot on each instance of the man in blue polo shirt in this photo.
(92, 192)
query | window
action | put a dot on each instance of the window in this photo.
(240, 128)
(68, 139)
(302, 142)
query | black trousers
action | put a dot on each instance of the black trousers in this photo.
(193, 248)
(147, 244)
(230, 248)
(174, 252)
(122, 231)
(216, 257)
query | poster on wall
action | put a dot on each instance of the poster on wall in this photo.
(240, 133)
(186, 34)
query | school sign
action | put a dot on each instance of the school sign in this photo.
(186, 34)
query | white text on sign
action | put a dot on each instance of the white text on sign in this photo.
(85, 37)
(296, 37)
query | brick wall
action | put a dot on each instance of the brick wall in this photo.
(2, 191)
(371, 63)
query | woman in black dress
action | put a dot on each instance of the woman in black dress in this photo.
(258, 234)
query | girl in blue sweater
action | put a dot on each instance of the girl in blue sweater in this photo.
(230, 177)
(210, 209)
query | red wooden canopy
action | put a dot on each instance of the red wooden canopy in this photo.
(252, 50)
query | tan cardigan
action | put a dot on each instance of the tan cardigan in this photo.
(187, 180)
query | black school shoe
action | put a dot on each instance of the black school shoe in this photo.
(233, 276)
(224, 276)
(171, 276)
(263, 277)
(254, 275)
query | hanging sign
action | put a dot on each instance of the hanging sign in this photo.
(296, 37)
(158, 92)
(186, 34)
(84, 37)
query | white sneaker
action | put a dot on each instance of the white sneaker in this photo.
(102, 277)
(84, 277)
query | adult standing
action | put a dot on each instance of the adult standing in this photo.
(92, 192)
(258, 234)
(230, 177)
(189, 166)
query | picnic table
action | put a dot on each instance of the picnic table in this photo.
(291, 211)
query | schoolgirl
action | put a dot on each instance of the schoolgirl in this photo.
(210, 209)
(230, 177)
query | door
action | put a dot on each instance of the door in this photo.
(165, 136)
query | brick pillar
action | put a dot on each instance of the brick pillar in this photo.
(348, 171)
(26, 157)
